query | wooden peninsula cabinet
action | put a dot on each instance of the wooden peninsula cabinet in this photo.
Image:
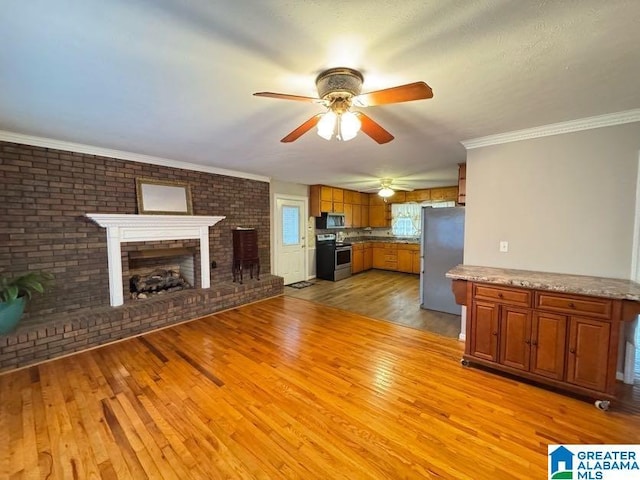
(565, 340)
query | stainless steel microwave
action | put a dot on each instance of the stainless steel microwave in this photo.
(330, 220)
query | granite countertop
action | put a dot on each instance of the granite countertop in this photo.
(557, 282)
(383, 239)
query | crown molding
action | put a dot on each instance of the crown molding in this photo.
(599, 121)
(122, 155)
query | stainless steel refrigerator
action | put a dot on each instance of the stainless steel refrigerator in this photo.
(441, 249)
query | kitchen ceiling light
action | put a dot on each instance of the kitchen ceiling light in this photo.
(385, 192)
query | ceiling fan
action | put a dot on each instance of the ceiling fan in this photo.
(339, 91)
(387, 188)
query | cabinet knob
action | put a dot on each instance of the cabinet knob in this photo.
(534, 343)
(572, 350)
(495, 334)
(572, 305)
(500, 295)
(528, 342)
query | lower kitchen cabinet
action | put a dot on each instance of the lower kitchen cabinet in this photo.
(368, 256)
(548, 345)
(385, 256)
(409, 258)
(588, 352)
(357, 258)
(563, 340)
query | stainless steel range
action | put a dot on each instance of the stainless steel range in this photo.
(333, 259)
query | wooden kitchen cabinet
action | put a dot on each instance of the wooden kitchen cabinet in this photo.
(444, 194)
(415, 260)
(588, 352)
(357, 257)
(568, 341)
(368, 256)
(378, 216)
(356, 212)
(483, 344)
(326, 199)
(409, 258)
(423, 195)
(385, 256)
(364, 214)
(338, 200)
(462, 184)
(348, 215)
(320, 200)
(405, 263)
(548, 344)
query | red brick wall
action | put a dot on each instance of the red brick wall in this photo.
(45, 193)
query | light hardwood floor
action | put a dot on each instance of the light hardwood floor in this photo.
(286, 388)
(385, 295)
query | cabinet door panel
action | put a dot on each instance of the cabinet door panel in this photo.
(348, 215)
(588, 352)
(378, 257)
(357, 216)
(357, 261)
(405, 261)
(548, 340)
(368, 257)
(515, 337)
(484, 331)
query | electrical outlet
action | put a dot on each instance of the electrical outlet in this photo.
(504, 246)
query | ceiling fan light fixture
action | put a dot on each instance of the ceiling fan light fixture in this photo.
(327, 125)
(386, 192)
(349, 124)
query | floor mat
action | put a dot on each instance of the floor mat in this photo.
(299, 285)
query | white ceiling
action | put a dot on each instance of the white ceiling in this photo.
(174, 79)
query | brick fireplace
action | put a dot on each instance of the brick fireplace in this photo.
(140, 228)
(45, 194)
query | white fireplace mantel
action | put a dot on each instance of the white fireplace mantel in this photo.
(138, 228)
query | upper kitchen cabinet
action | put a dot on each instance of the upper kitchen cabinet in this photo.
(444, 194)
(462, 184)
(325, 199)
(338, 200)
(423, 195)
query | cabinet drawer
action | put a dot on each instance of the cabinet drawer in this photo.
(357, 246)
(510, 296)
(391, 258)
(591, 306)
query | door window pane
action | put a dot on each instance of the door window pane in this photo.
(290, 225)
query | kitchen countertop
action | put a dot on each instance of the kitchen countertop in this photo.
(557, 282)
(415, 241)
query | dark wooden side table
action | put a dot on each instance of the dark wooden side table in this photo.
(245, 252)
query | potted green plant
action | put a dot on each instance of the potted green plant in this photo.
(14, 293)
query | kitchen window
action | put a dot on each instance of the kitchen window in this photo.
(406, 218)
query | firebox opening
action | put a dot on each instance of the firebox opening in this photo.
(161, 270)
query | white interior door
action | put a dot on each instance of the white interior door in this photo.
(290, 231)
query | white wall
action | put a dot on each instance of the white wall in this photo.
(565, 203)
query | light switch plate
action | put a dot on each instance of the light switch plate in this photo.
(504, 246)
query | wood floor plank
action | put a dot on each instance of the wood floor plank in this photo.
(287, 388)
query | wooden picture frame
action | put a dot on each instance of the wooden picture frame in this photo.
(163, 197)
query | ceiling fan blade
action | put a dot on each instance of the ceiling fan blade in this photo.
(374, 130)
(302, 129)
(403, 93)
(284, 96)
